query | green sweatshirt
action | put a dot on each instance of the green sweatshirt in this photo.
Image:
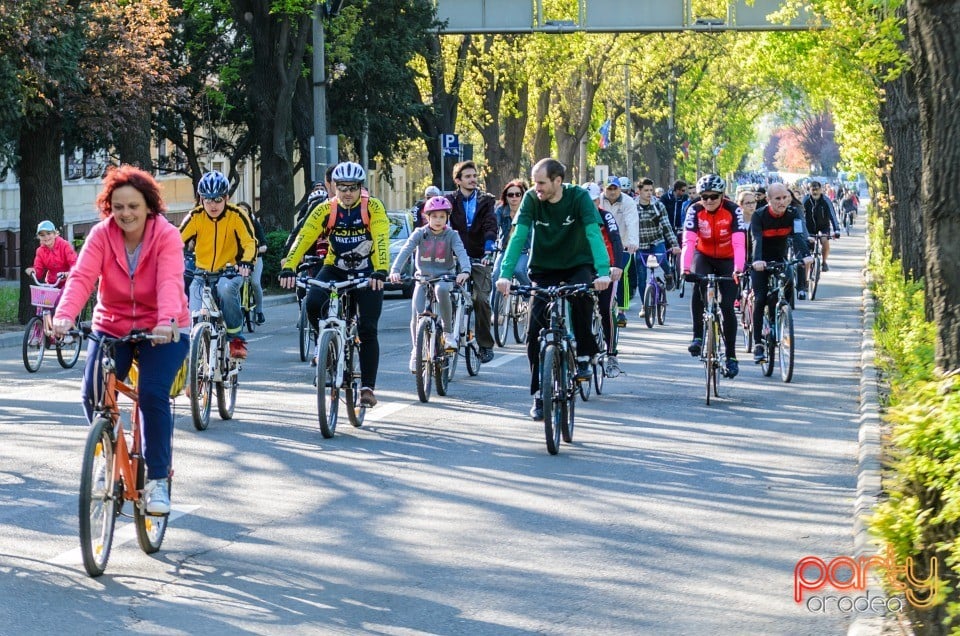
(565, 234)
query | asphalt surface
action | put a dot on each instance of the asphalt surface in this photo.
(665, 516)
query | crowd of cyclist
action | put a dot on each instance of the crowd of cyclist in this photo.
(543, 234)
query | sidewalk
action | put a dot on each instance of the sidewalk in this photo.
(15, 338)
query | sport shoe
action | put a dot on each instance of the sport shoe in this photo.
(238, 348)
(802, 294)
(413, 362)
(367, 398)
(536, 411)
(759, 354)
(486, 355)
(826, 267)
(316, 356)
(733, 368)
(156, 497)
(612, 367)
(260, 318)
(450, 341)
(696, 345)
(584, 372)
(669, 282)
(621, 319)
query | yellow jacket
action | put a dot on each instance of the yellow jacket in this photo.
(227, 239)
(353, 246)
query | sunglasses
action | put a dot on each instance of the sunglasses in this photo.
(353, 187)
(215, 200)
(710, 197)
(513, 195)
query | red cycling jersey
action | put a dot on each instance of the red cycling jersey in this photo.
(718, 235)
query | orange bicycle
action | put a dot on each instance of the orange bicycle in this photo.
(114, 470)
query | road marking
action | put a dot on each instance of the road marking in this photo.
(503, 359)
(379, 413)
(121, 535)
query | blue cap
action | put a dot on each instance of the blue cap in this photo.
(46, 226)
(613, 181)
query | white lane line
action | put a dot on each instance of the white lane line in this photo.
(121, 535)
(502, 359)
(380, 413)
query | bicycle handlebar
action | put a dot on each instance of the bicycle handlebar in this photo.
(137, 335)
(554, 291)
(352, 283)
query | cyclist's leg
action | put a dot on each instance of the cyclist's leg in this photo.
(604, 299)
(640, 263)
(417, 304)
(92, 383)
(581, 312)
(633, 273)
(539, 320)
(229, 291)
(369, 304)
(728, 293)
(700, 266)
(318, 299)
(760, 286)
(825, 244)
(195, 299)
(482, 286)
(445, 305)
(257, 286)
(158, 367)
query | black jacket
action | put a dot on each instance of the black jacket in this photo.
(483, 233)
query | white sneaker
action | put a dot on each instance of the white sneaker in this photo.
(157, 497)
(413, 362)
(450, 341)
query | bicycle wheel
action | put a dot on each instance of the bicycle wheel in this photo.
(500, 310)
(521, 314)
(199, 377)
(303, 326)
(662, 306)
(34, 344)
(553, 392)
(328, 385)
(246, 304)
(599, 373)
(814, 278)
(469, 344)
(585, 387)
(785, 345)
(746, 321)
(351, 395)
(98, 497)
(227, 389)
(769, 343)
(566, 429)
(150, 528)
(718, 356)
(708, 352)
(649, 306)
(425, 348)
(441, 367)
(69, 353)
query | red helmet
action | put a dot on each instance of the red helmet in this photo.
(437, 203)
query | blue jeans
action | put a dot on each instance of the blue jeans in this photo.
(228, 298)
(519, 272)
(158, 367)
(255, 277)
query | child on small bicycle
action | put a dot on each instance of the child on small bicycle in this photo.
(439, 251)
(54, 257)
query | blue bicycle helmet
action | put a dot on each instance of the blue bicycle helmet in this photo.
(212, 185)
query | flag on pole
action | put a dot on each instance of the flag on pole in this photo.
(605, 134)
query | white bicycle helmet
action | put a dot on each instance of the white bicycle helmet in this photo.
(348, 172)
(711, 183)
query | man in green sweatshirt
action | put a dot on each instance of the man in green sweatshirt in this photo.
(567, 248)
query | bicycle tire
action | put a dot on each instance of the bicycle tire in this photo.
(500, 311)
(469, 344)
(425, 349)
(566, 426)
(769, 343)
(356, 411)
(649, 306)
(785, 341)
(718, 356)
(441, 367)
(98, 499)
(328, 384)
(662, 306)
(521, 319)
(68, 354)
(227, 390)
(746, 321)
(814, 283)
(552, 389)
(708, 352)
(150, 528)
(303, 327)
(199, 376)
(34, 344)
(599, 374)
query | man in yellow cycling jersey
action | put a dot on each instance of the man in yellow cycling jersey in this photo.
(358, 229)
(223, 235)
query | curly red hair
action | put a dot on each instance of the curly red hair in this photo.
(127, 175)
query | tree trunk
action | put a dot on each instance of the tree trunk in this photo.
(133, 143)
(41, 193)
(935, 48)
(442, 117)
(541, 135)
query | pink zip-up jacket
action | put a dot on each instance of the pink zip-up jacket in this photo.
(153, 295)
(50, 261)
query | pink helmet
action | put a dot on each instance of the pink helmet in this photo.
(437, 203)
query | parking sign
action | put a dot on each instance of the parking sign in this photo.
(450, 144)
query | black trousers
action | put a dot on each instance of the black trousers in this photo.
(703, 265)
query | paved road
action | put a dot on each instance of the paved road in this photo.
(664, 516)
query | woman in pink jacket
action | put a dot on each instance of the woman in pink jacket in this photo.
(137, 255)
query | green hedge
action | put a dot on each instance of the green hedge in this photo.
(271, 260)
(920, 518)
